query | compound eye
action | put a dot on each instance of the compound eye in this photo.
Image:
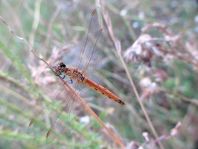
(62, 65)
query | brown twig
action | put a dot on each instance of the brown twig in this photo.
(117, 46)
(87, 108)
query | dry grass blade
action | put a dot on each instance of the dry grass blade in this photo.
(87, 108)
(108, 24)
(117, 46)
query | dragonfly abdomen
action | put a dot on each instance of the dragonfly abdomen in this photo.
(102, 90)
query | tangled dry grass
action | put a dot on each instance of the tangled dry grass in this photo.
(147, 54)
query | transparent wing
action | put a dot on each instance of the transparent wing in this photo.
(69, 101)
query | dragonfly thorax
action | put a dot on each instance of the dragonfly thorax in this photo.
(74, 74)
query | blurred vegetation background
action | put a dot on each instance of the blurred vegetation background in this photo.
(57, 30)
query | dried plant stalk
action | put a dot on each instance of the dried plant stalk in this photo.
(117, 46)
(88, 109)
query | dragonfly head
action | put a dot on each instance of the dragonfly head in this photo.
(60, 68)
(62, 65)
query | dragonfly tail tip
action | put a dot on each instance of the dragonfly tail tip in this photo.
(120, 102)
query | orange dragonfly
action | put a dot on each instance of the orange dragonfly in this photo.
(75, 74)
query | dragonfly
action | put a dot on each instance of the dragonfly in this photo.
(79, 76)
(76, 74)
(62, 71)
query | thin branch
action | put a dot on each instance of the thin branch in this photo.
(117, 46)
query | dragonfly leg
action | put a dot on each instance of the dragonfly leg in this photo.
(71, 81)
(63, 77)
